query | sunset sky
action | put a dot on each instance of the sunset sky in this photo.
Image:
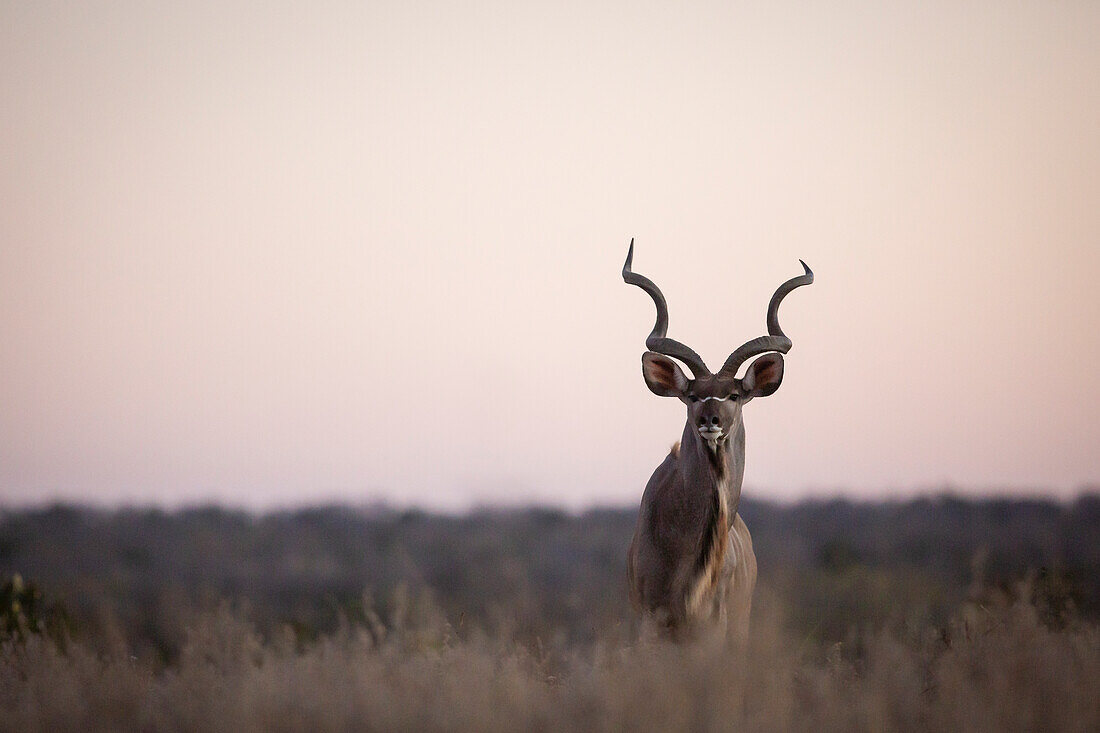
(272, 254)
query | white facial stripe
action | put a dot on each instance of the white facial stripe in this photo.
(720, 399)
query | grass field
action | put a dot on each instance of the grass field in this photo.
(211, 620)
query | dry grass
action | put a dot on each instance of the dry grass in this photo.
(995, 667)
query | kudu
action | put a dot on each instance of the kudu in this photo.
(691, 563)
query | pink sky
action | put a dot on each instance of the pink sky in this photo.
(274, 254)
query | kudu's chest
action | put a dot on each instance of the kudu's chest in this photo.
(711, 482)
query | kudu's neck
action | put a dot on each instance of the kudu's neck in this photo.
(721, 468)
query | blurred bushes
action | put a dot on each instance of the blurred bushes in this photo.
(24, 611)
(139, 576)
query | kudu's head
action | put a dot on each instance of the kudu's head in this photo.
(713, 400)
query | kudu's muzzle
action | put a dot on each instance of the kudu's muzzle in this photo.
(709, 419)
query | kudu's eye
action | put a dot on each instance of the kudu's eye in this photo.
(693, 398)
(734, 397)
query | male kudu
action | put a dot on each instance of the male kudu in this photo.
(691, 562)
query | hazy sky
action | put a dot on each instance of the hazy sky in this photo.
(276, 253)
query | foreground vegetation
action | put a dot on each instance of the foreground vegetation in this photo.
(931, 615)
(991, 668)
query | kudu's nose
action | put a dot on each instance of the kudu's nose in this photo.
(713, 420)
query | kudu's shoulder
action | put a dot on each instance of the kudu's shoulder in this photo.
(673, 509)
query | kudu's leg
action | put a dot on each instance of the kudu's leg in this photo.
(742, 584)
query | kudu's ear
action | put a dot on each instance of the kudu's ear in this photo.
(663, 376)
(764, 376)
